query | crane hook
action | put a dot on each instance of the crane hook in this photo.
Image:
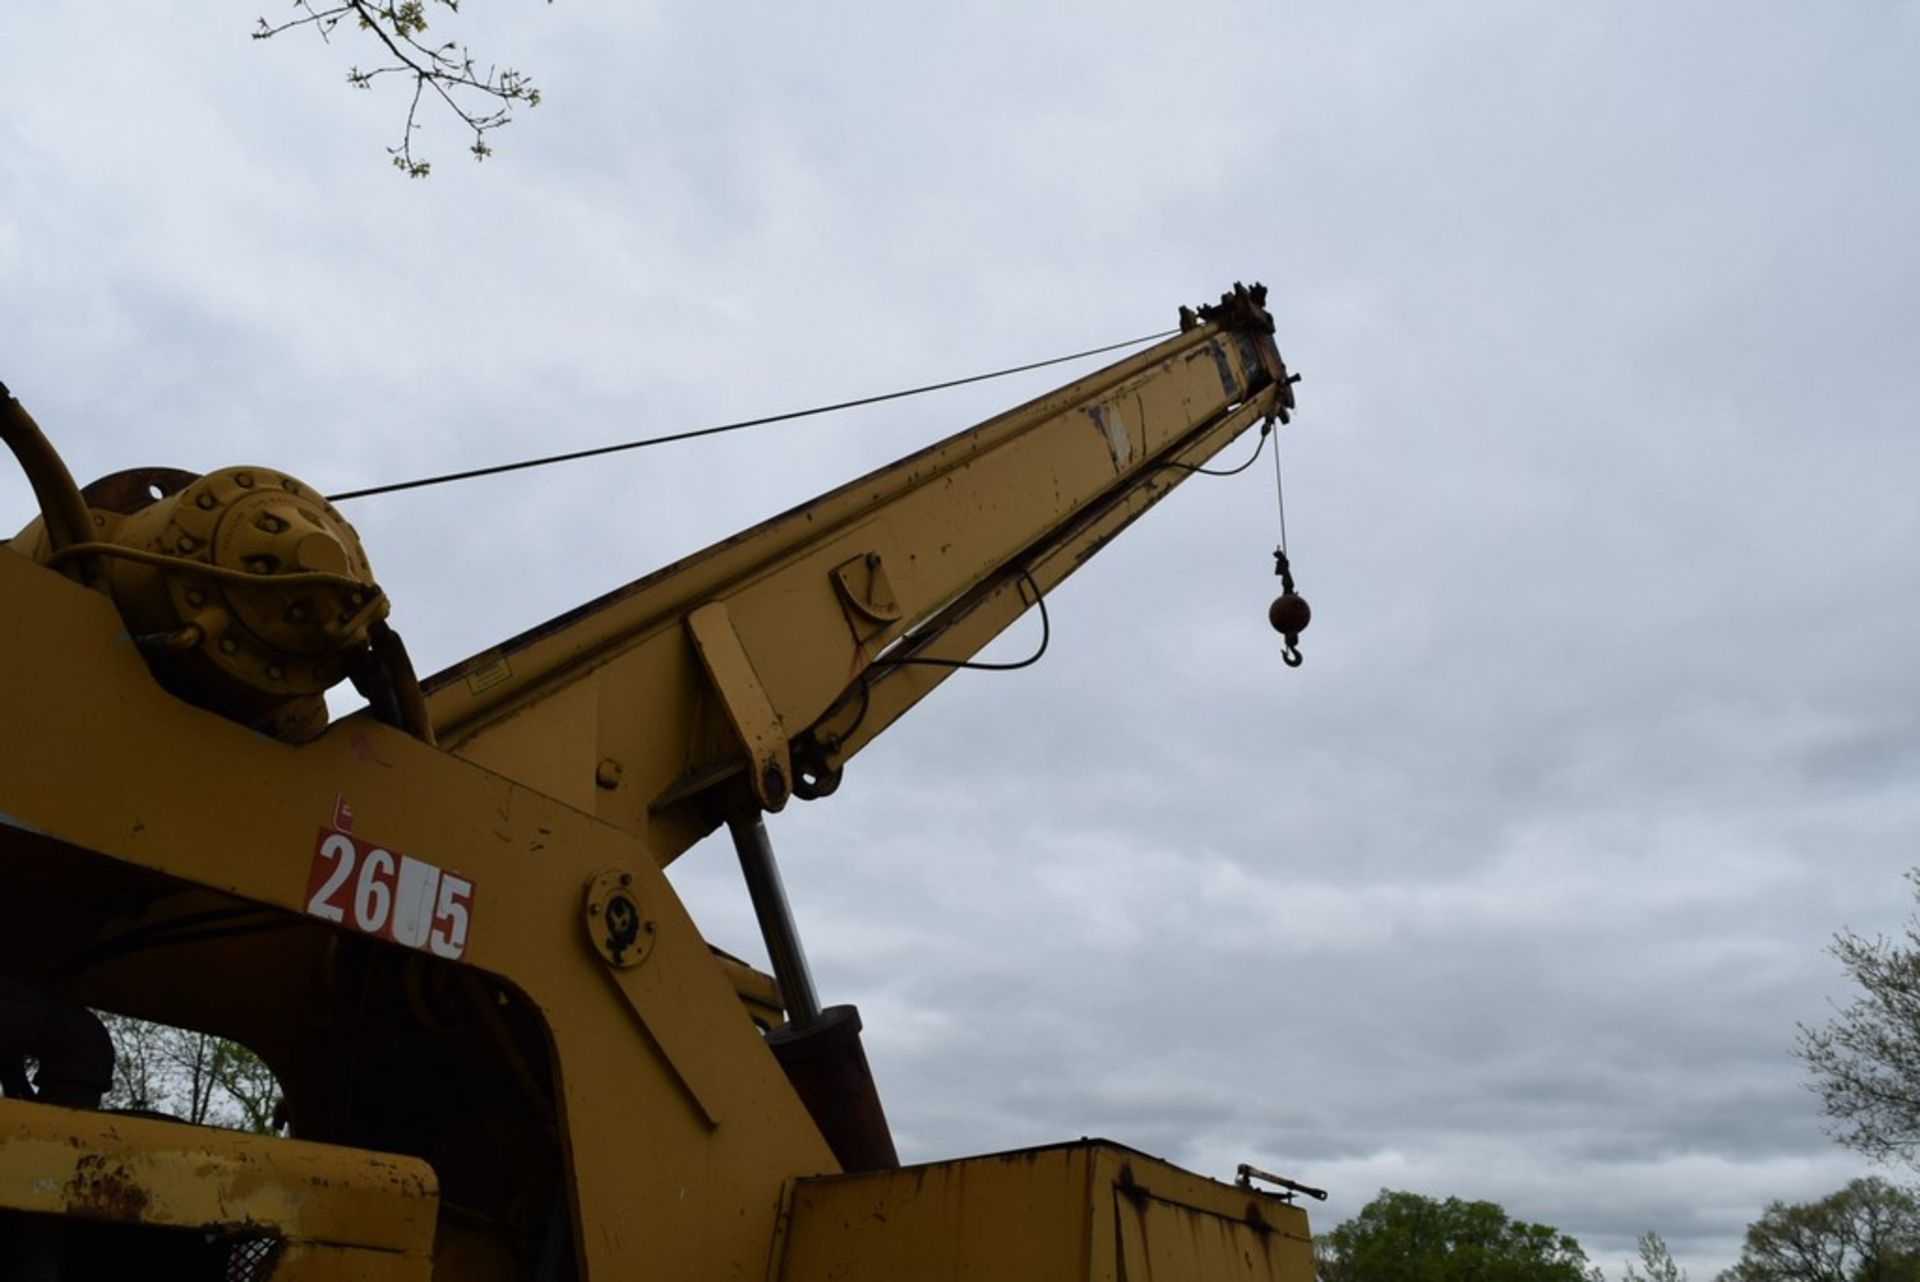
(1289, 614)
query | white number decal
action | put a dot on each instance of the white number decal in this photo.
(373, 898)
(450, 916)
(340, 850)
(395, 897)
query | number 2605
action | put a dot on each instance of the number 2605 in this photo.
(396, 897)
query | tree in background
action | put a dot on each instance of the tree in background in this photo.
(1404, 1237)
(1656, 1263)
(1867, 1232)
(481, 98)
(1866, 1062)
(195, 1077)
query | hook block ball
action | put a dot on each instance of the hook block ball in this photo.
(1289, 614)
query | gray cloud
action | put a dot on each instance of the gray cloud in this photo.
(1601, 490)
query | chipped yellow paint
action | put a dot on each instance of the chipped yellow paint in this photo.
(104, 1166)
(598, 741)
(1091, 1211)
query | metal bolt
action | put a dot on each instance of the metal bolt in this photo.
(205, 502)
(607, 774)
(626, 879)
(296, 614)
(275, 671)
(196, 597)
(228, 645)
(243, 479)
(184, 543)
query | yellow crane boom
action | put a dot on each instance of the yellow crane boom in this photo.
(770, 658)
(505, 1050)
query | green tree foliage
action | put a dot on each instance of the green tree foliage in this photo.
(1867, 1232)
(1866, 1061)
(1656, 1263)
(195, 1077)
(481, 97)
(1404, 1237)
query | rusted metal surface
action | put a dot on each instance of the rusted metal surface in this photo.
(105, 1189)
(1092, 1210)
(1246, 1174)
(828, 1068)
(117, 1169)
(1164, 1234)
(138, 487)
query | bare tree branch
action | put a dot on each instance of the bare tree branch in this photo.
(482, 101)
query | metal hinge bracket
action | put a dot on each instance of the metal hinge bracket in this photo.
(748, 708)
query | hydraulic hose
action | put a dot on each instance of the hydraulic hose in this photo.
(65, 512)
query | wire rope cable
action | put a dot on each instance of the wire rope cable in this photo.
(695, 433)
(1280, 496)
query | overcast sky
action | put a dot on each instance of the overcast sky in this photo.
(1601, 488)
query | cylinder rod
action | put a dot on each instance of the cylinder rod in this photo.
(755, 848)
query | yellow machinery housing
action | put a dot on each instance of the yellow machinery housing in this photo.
(506, 1050)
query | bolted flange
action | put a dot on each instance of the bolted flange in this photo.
(617, 928)
(248, 592)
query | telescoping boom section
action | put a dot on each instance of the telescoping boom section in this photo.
(500, 1047)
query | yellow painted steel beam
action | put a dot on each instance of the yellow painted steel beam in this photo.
(961, 630)
(525, 864)
(1090, 1211)
(132, 1170)
(675, 1127)
(639, 707)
